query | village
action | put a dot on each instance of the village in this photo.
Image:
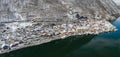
(84, 27)
(47, 32)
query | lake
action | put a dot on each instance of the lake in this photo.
(103, 45)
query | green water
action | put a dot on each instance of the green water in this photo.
(103, 45)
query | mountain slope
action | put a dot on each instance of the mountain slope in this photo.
(26, 23)
(55, 9)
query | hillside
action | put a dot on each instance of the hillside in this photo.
(56, 9)
(26, 23)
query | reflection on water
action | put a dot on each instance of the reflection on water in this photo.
(103, 45)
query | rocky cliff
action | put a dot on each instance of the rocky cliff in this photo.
(13, 10)
(25, 23)
(119, 6)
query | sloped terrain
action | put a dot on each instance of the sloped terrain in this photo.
(56, 9)
(26, 23)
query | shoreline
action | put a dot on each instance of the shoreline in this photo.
(45, 37)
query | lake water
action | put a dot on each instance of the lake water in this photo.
(103, 45)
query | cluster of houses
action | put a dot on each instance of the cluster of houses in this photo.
(85, 27)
